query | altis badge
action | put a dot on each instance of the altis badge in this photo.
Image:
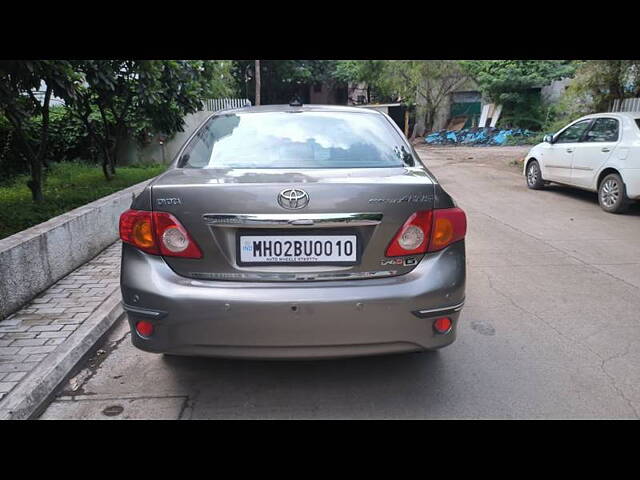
(407, 262)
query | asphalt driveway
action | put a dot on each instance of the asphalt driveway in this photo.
(551, 328)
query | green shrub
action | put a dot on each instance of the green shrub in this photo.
(68, 140)
(532, 140)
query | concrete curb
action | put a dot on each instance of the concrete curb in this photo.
(28, 398)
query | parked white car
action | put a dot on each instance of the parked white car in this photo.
(599, 152)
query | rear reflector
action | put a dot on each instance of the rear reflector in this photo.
(158, 233)
(144, 328)
(442, 325)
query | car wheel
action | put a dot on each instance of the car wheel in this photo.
(534, 176)
(612, 195)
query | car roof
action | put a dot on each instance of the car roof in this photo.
(632, 115)
(301, 108)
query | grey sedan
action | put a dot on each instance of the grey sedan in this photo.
(294, 232)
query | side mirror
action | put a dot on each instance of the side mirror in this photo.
(548, 139)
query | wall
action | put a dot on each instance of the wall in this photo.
(34, 259)
(152, 153)
(553, 92)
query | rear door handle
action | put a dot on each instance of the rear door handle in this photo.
(606, 149)
(569, 150)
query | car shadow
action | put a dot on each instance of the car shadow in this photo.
(588, 197)
(385, 386)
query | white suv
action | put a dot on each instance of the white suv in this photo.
(600, 153)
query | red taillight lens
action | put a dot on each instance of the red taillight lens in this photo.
(174, 240)
(158, 233)
(429, 230)
(449, 226)
(413, 236)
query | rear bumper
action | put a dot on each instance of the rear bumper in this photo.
(631, 179)
(292, 320)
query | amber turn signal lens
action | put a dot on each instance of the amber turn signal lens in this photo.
(442, 233)
(143, 233)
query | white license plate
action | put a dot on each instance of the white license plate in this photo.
(298, 249)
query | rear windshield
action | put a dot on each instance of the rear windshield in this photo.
(295, 140)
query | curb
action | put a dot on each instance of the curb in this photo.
(30, 396)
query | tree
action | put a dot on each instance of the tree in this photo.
(124, 97)
(281, 80)
(374, 73)
(603, 81)
(427, 84)
(19, 80)
(257, 70)
(514, 84)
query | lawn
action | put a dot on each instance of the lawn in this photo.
(67, 186)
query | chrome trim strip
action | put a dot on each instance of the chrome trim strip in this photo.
(145, 312)
(296, 219)
(291, 277)
(438, 311)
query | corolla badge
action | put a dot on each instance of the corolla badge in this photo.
(293, 199)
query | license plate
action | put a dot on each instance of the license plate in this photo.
(296, 249)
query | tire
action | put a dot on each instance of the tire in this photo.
(534, 176)
(612, 194)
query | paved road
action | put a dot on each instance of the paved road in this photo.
(551, 328)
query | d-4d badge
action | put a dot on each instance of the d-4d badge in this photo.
(399, 261)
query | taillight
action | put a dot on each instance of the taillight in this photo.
(158, 233)
(174, 240)
(428, 231)
(449, 226)
(136, 228)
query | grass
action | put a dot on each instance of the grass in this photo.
(67, 186)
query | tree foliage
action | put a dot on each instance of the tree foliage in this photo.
(598, 82)
(426, 84)
(121, 98)
(514, 84)
(108, 100)
(374, 73)
(19, 80)
(282, 80)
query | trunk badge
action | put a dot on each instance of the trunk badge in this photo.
(293, 199)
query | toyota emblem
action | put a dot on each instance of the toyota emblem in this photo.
(293, 199)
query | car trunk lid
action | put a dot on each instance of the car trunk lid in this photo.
(218, 206)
